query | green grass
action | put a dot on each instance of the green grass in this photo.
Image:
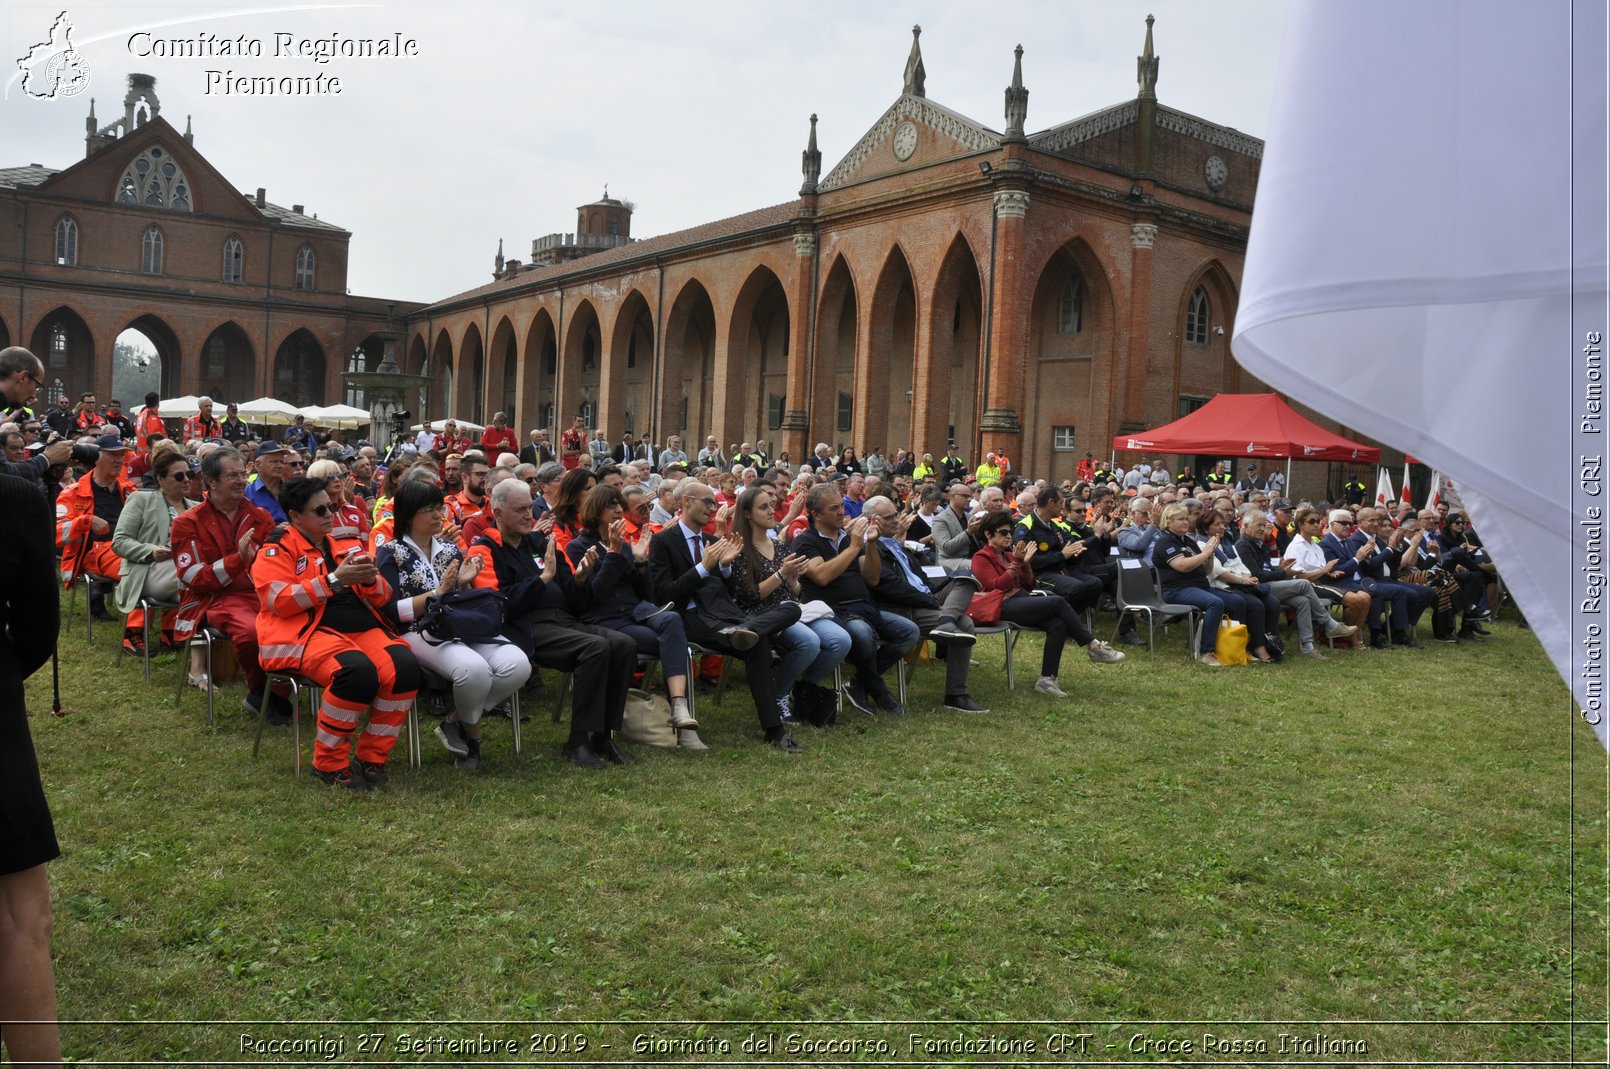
(1384, 837)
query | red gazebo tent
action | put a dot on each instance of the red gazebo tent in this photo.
(1253, 425)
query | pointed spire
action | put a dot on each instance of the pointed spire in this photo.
(189, 138)
(498, 262)
(810, 162)
(916, 75)
(1017, 101)
(1146, 66)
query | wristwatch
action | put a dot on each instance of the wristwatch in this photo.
(336, 585)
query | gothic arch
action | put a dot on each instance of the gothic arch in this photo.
(299, 370)
(540, 364)
(754, 358)
(688, 372)
(886, 365)
(948, 365)
(442, 393)
(837, 319)
(1210, 369)
(228, 364)
(168, 368)
(502, 363)
(64, 343)
(579, 363)
(1073, 377)
(628, 367)
(469, 393)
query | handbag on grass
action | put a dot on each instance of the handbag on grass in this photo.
(986, 607)
(648, 720)
(469, 615)
(1231, 645)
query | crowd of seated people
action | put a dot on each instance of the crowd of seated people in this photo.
(331, 563)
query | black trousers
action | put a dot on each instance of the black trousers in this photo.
(1052, 615)
(1082, 591)
(757, 661)
(600, 660)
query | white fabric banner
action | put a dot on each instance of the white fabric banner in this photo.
(1428, 265)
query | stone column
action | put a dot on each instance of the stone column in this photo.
(1002, 424)
(796, 423)
(1142, 237)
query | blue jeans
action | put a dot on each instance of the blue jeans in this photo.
(810, 651)
(1212, 610)
(872, 658)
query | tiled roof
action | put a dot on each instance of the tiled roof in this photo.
(29, 175)
(281, 214)
(731, 227)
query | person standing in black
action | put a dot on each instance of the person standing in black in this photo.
(28, 626)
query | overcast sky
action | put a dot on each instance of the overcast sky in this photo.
(511, 116)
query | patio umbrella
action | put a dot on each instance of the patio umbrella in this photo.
(177, 407)
(268, 410)
(345, 417)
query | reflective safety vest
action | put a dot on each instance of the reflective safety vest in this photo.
(293, 585)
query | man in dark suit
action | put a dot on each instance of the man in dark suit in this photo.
(1354, 552)
(625, 450)
(645, 451)
(687, 568)
(536, 452)
(541, 602)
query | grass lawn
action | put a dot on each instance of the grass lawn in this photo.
(1387, 837)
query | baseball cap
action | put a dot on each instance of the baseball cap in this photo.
(111, 443)
(269, 448)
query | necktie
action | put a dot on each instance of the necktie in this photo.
(696, 548)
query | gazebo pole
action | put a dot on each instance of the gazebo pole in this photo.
(1287, 487)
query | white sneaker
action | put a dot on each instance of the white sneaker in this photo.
(688, 739)
(1102, 653)
(1047, 685)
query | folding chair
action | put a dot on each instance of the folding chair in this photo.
(1140, 590)
(297, 684)
(148, 605)
(1009, 632)
(206, 636)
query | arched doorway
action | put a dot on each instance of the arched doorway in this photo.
(299, 370)
(228, 365)
(541, 375)
(887, 368)
(950, 377)
(63, 342)
(628, 369)
(441, 387)
(471, 390)
(1070, 377)
(579, 369)
(503, 363)
(145, 359)
(689, 373)
(832, 412)
(756, 359)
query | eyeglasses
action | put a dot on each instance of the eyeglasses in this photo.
(182, 475)
(39, 382)
(1344, 523)
(320, 511)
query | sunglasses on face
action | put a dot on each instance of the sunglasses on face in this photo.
(182, 475)
(320, 511)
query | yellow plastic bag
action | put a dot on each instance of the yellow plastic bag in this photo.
(1231, 646)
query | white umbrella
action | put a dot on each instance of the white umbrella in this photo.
(177, 407)
(462, 424)
(267, 410)
(344, 416)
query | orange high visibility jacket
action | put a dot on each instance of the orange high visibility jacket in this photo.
(293, 585)
(75, 515)
(148, 422)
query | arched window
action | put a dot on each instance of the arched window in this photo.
(357, 362)
(151, 251)
(66, 241)
(58, 346)
(1071, 317)
(154, 180)
(234, 260)
(1196, 318)
(305, 264)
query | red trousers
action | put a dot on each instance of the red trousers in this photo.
(366, 670)
(235, 614)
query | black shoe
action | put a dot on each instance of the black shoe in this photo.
(472, 760)
(785, 742)
(280, 709)
(889, 703)
(581, 754)
(606, 748)
(1403, 638)
(1449, 638)
(1480, 630)
(341, 778)
(1379, 642)
(451, 735)
(372, 774)
(856, 695)
(739, 638)
(1479, 614)
(1107, 604)
(1131, 638)
(949, 631)
(963, 703)
(1470, 634)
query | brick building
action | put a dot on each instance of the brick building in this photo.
(1036, 293)
(241, 297)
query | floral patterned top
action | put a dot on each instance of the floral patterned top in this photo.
(411, 571)
(747, 599)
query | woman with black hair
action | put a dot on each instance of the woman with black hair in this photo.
(567, 504)
(420, 568)
(620, 592)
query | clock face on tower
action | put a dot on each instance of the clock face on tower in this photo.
(905, 141)
(1217, 172)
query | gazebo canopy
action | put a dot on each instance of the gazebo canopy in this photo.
(1250, 425)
